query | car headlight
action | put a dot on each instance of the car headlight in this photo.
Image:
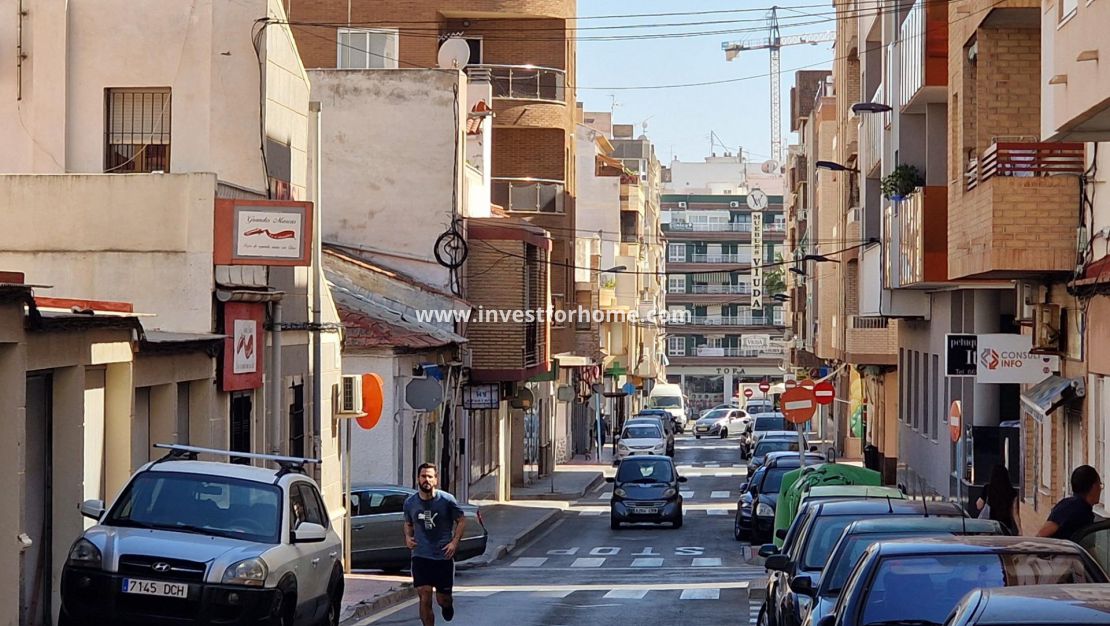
(251, 572)
(621, 446)
(669, 492)
(764, 510)
(84, 554)
(661, 445)
(620, 493)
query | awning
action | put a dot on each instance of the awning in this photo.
(574, 360)
(1044, 397)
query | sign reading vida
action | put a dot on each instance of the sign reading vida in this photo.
(246, 354)
(269, 233)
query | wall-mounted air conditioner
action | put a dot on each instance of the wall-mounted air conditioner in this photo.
(734, 204)
(349, 400)
(682, 205)
(1027, 296)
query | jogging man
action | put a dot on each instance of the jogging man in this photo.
(433, 527)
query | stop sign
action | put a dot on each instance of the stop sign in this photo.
(824, 392)
(798, 405)
(748, 392)
(764, 386)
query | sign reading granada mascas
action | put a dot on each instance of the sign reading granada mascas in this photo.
(262, 232)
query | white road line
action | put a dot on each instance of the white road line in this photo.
(722, 475)
(742, 584)
(476, 594)
(589, 513)
(700, 594)
(605, 496)
(707, 562)
(529, 561)
(718, 494)
(717, 511)
(630, 594)
(686, 494)
(588, 562)
(553, 594)
(645, 562)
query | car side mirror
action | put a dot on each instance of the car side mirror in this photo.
(780, 533)
(777, 563)
(743, 487)
(828, 620)
(92, 509)
(683, 479)
(803, 585)
(308, 532)
(768, 549)
(610, 479)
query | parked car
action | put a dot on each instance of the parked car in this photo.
(646, 489)
(663, 422)
(921, 580)
(678, 423)
(641, 439)
(767, 423)
(1034, 605)
(377, 528)
(777, 443)
(721, 422)
(757, 521)
(185, 537)
(816, 539)
(825, 588)
(758, 407)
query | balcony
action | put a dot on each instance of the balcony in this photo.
(721, 258)
(709, 227)
(732, 320)
(924, 55)
(530, 195)
(871, 135)
(1018, 215)
(525, 82)
(871, 341)
(920, 239)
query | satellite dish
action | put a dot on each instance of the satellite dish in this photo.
(454, 53)
(769, 167)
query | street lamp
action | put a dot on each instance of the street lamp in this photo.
(871, 107)
(798, 271)
(618, 268)
(820, 258)
(834, 166)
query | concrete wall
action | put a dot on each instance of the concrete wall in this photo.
(598, 201)
(1064, 106)
(378, 455)
(376, 167)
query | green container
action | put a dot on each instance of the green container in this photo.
(849, 481)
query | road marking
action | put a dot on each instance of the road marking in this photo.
(585, 513)
(605, 496)
(529, 561)
(390, 611)
(707, 562)
(646, 562)
(717, 511)
(630, 594)
(719, 494)
(605, 551)
(686, 494)
(567, 552)
(713, 465)
(587, 562)
(476, 594)
(722, 475)
(742, 584)
(554, 594)
(700, 594)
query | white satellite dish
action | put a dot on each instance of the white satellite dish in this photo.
(454, 54)
(769, 167)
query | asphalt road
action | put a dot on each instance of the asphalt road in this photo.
(582, 572)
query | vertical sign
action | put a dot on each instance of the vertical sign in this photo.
(245, 360)
(241, 367)
(757, 260)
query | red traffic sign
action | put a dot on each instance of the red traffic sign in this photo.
(790, 383)
(955, 421)
(807, 383)
(748, 392)
(824, 392)
(764, 386)
(798, 405)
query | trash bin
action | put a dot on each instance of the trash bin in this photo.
(871, 458)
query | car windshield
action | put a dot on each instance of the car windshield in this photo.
(664, 402)
(645, 470)
(925, 588)
(203, 504)
(849, 550)
(823, 536)
(642, 432)
(770, 423)
(775, 445)
(772, 480)
(715, 415)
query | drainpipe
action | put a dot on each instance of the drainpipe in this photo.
(317, 287)
(275, 379)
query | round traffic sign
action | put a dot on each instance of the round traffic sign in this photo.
(764, 386)
(748, 392)
(807, 383)
(373, 399)
(955, 420)
(790, 383)
(798, 405)
(824, 392)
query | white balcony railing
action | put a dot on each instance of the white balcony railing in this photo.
(912, 47)
(741, 288)
(731, 320)
(733, 351)
(709, 227)
(871, 132)
(744, 257)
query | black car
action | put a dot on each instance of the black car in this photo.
(771, 443)
(666, 423)
(825, 588)
(816, 539)
(645, 489)
(920, 581)
(757, 519)
(1034, 605)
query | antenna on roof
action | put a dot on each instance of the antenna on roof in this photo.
(921, 490)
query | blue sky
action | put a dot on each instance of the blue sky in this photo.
(679, 120)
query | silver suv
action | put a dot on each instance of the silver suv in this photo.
(196, 542)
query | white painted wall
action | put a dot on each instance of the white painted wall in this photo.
(597, 203)
(721, 175)
(391, 146)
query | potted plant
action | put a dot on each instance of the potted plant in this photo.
(901, 182)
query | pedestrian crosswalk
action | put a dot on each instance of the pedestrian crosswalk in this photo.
(686, 495)
(689, 510)
(735, 591)
(595, 562)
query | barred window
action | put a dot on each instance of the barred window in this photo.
(137, 130)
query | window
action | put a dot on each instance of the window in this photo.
(676, 252)
(676, 346)
(676, 284)
(926, 388)
(367, 49)
(1067, 9)
(933, 389)
(137, 130)
(305, 506)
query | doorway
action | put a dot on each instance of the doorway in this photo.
(36, 560)
(241, 413)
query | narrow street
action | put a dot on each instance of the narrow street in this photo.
(581, 571)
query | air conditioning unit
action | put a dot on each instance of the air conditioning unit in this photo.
(349, 401)
(1027, 296)
(682, 205)
(734, 204)
(855, 214)
(1047, 328)
(466, 355)
(803, 215)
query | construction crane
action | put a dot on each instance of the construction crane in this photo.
(775, 42)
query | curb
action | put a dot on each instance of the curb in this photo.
(366, 609)
(564, 495)
(501, 551)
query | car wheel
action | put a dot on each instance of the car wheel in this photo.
(285, 607)
(697, 436)
(335, 599)
(614, 524)
(724, 433)
(737, 532)
(677, 523)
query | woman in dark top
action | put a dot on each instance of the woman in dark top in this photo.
(1002, 499)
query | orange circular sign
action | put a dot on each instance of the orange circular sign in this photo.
(955, 421)
(798, 405)
(373, 399)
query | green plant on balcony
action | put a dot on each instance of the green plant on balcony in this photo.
(901, 182)
(608, 281)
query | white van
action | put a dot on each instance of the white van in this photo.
(669, 397)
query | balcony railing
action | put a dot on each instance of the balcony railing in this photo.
(742, 288)
(922, 249)
(525, 82)
(871, 132)
(778, 227)
(733, 320)
(721, 258)
(1025, 159)
(710, 227)
(729, 351)
(535, 195)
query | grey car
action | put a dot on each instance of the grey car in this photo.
(377, 528)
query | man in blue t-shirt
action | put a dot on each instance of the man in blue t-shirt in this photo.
(434, 525)
(1076, 511)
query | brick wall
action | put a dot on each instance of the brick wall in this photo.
(529, 153)
(1008, 92)
(495, 280)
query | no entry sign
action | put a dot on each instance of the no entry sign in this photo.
(824, 393)
(790, 383)
(764, 386)
(798, 405)
(748, 392)
(955, 421)
(807, 383)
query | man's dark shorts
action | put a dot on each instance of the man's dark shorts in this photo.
(436, 573)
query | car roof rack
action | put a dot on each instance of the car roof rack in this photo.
(178, 452)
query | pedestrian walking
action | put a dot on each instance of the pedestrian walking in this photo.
(1000, 501)
(1075, 512)
(433, 527)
